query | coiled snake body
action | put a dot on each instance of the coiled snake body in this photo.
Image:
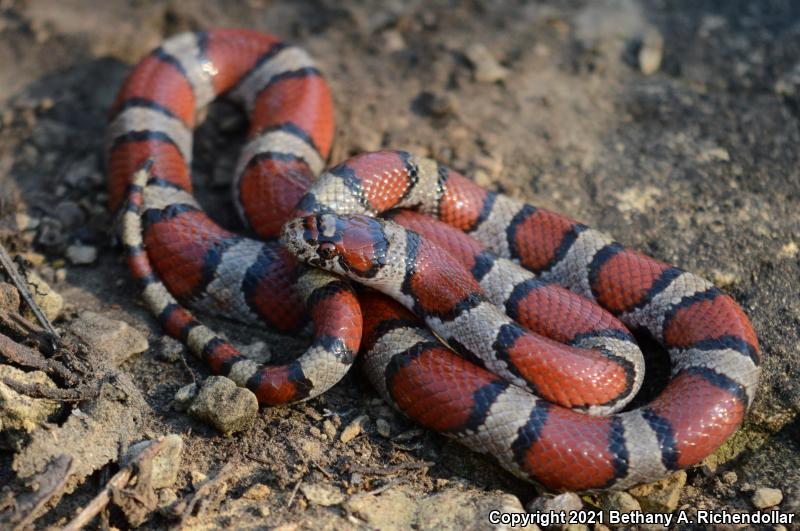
(535, 307)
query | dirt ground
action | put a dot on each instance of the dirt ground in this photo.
(672, 125)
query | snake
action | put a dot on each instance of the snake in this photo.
(494, 322)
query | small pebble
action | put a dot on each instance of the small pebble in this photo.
(723, 279)
(713, 154)
(354, 429)
(79, 254)
(312, 413)
(50, 234)
(393, 41)
(116, 339)
(329, 429)
(197, 477)
(486, 68)
(788, 250)
(765, 497)
(729, 477)
(431, 104)
(257, 492)
(383, 427)
(26, 222)
(183, 398)
(166, 464)
(224, 405)
(322, 494)
(651, 52)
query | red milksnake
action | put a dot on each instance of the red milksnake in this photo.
(574, 297)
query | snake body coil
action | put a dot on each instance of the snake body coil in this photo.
(533, 305)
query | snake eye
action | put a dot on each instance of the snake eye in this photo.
(327, 251)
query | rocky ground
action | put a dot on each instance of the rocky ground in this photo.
(672, 125)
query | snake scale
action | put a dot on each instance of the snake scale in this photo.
(506, 326)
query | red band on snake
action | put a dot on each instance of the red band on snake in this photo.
(180, 256)
(487, 253)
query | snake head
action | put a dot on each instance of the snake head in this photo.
(354, 245)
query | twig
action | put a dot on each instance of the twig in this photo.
(99, 502)
(382, 488)
(258, 459)
(78, 394)
(117, 482)
(50, 484)
(205, 491)
(33, 359)
(29, 330)
(405, 448)
(386, 471)
(22, 287)
(188, 369)
(294, 493)
(18, 327)
(324, 472)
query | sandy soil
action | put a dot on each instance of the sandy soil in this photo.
(695, 163)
